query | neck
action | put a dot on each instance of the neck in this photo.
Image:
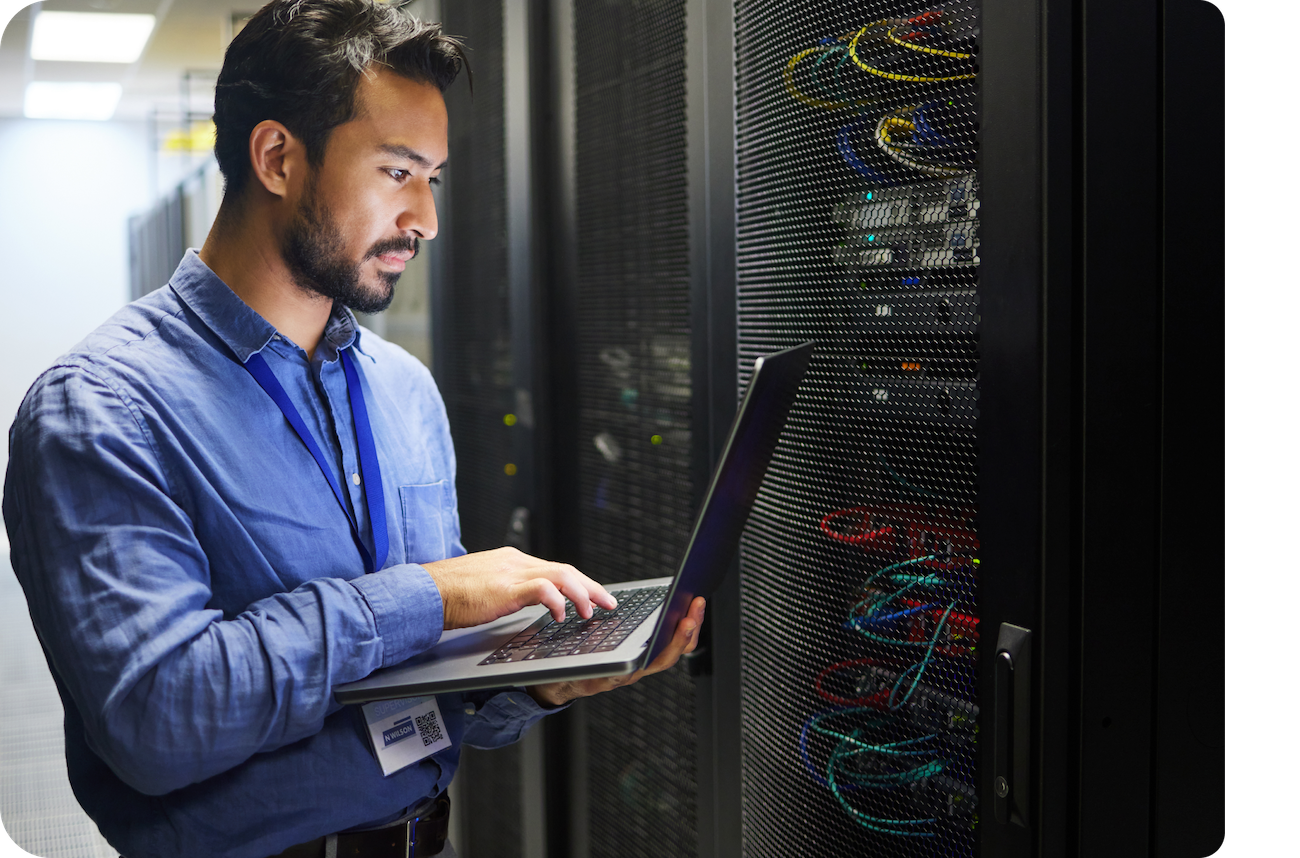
(245, 253)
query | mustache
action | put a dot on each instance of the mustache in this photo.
(391, 245)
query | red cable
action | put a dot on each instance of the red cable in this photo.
(851, 538)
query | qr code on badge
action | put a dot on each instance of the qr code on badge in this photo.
(430, 732)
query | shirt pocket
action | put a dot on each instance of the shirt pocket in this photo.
(426, 521)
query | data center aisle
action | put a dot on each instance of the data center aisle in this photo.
(36, 804)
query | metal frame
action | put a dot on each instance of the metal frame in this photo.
(710, 98)
(711, 192)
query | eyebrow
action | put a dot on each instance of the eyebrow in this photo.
(409, 154)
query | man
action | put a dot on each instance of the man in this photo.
(198, 493)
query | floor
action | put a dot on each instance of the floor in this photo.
(37, 808)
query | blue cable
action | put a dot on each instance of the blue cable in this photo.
(844, 145)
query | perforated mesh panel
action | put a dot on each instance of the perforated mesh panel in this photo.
(478, 388)
(858, 205)
(634, 394)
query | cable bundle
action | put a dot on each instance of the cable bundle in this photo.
(892, 52)
(888, 732)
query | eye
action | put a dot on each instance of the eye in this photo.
(435, 181)
(397, 173)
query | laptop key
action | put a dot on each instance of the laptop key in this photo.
(603, 631)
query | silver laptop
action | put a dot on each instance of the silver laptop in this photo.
(530, 647)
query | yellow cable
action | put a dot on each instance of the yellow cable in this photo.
(908, 78)
(788, 75)
(894, 122)
(911, 47)
(806, 99)
(882, 140)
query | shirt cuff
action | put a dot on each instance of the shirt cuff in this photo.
(407, 608)
(503, 717)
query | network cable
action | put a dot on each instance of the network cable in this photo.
(885, 30)
(909, 137)
(859, 762)
(844, 145)
(871, 748)
(838, 101)
(891, 35)
(910, 122)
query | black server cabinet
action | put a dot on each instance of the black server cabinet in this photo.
(584, 295)
(645, 388)
(858, 226)
(1102, 381)
(628, 423)
(966, 618)
(969, 592)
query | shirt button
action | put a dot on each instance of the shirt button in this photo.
(356, 479)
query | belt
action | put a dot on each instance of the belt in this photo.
(422, 836)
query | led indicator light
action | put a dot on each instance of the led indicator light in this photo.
(511, 470)
(656, 439)
(510, 420)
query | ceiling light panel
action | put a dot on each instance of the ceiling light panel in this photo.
(58, 100)
(90, 37)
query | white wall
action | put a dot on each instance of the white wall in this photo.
(66, 190)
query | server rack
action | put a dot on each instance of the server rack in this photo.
(964, 617)
(859, 227)
(603, 203)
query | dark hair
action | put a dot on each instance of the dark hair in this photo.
(299, 62)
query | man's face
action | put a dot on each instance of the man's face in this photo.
(361, 210)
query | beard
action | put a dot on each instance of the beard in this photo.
(312, 250)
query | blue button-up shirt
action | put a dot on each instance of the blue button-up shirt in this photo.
(196, 586)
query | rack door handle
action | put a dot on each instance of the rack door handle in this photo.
(1011, 725)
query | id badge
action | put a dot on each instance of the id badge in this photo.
(405, 731)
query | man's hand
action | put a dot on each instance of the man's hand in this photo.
(478, 588)
(683, 642)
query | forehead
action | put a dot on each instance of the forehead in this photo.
(395, 112)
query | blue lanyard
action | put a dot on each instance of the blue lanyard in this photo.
(370, 475)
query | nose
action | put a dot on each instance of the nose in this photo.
(420, 215)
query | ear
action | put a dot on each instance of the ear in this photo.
(276, 157)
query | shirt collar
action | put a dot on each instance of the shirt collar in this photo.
(237, 324)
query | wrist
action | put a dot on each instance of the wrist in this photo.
(550, 695)
(448, 620)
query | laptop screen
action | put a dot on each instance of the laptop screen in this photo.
(736, 481)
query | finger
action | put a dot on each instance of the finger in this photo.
(685, 633)
(695, 613)
(692, 642)
(568, 581)
(541, 591)
(597, 593)
(697, 609)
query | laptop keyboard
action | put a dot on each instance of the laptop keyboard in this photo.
(603, 632)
